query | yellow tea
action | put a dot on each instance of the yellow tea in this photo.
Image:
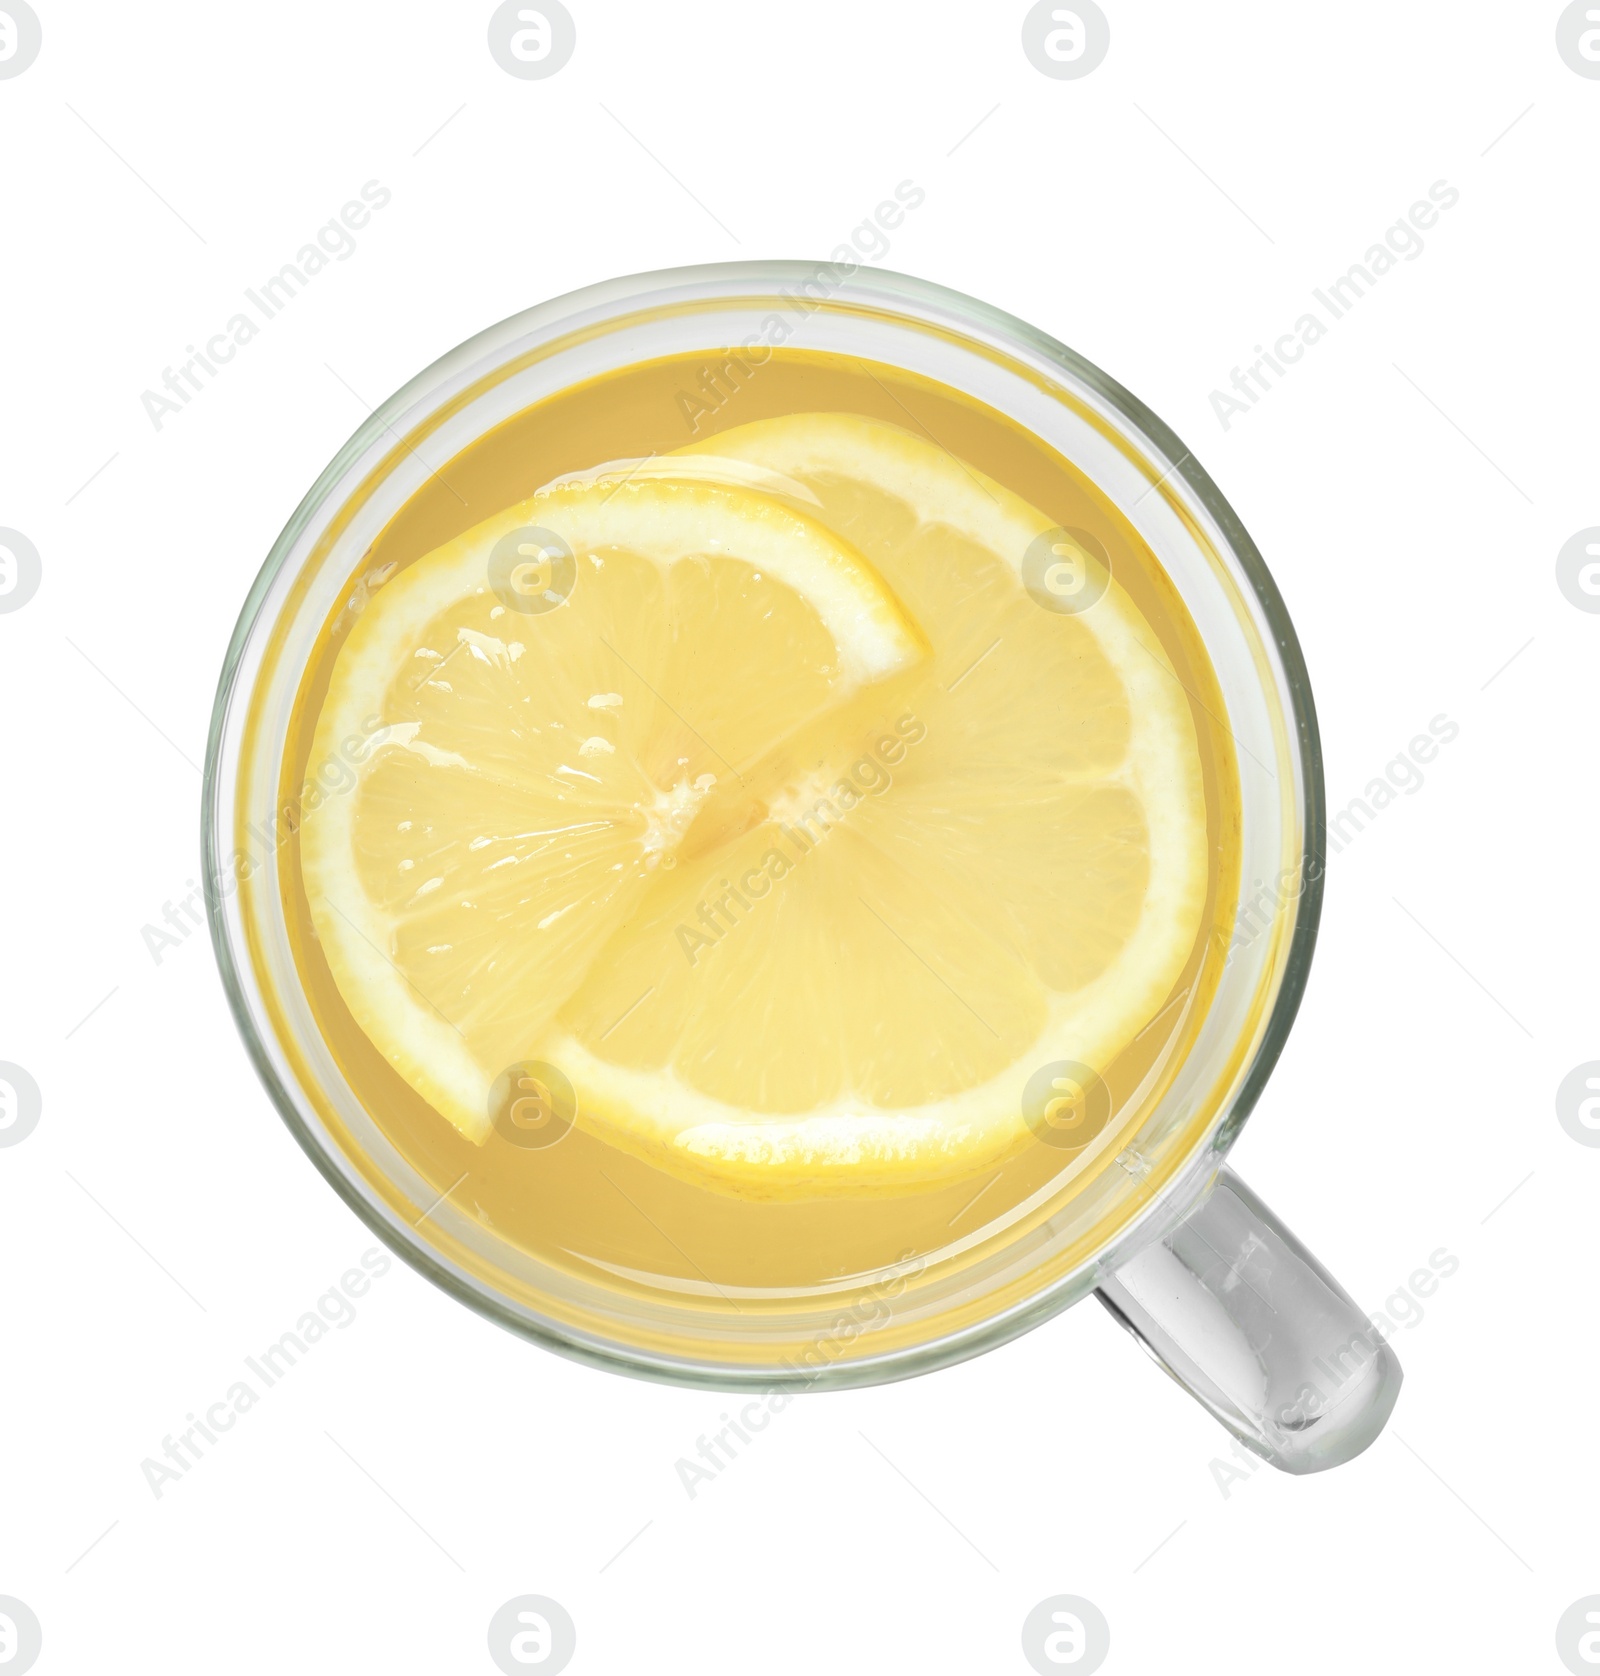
(788, 829)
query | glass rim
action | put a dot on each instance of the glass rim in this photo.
(1208, 1150)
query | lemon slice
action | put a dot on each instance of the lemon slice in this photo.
(995, 862)
(555, 695)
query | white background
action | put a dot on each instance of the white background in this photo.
(1409, 483)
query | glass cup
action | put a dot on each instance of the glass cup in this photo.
(1175, 1245)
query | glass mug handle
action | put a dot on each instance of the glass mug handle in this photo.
(1236, 1309)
